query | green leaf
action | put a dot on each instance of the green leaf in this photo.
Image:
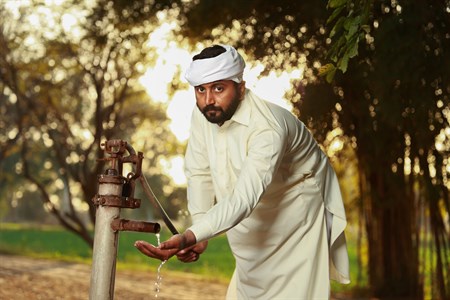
(330, 75)
(335, 49)
(352, 22)
(343, 63)
(335, 14)
(326, 69)
(337, 27)
(351, 32)
(366, 28)
(336, 3)
(352, 50)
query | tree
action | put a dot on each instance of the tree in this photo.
(391, 102)
(69, 79)
(402, 75)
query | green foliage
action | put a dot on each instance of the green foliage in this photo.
(350, 27)
(329, 70)
(278, 33)
(51, 242)
(391, 102)
(65, 90)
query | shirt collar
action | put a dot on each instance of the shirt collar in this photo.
(242, 113)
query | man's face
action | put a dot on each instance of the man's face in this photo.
(219, 100)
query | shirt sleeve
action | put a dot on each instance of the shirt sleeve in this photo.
(265, 151)
(200, 191)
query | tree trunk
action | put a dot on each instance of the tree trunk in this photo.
(393, 255)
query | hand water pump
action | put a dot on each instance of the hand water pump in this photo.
(115, 192)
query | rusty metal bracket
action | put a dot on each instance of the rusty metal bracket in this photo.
(116, 201)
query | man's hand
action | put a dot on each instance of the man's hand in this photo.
(192, 254)
(154, 252)
(168, 248)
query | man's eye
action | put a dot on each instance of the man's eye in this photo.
(200, 89)
(219, 88)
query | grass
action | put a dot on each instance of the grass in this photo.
(56, 243)
(217, 260)
(42, 241)
(52, 242)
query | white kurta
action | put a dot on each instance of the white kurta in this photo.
(262, 179)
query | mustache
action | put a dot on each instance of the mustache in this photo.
(211, 107)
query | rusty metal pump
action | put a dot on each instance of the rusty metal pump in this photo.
(115, 192)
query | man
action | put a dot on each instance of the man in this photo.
(255, 172)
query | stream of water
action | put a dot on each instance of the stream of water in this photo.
(158, 275)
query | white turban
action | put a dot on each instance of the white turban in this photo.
(228, 65)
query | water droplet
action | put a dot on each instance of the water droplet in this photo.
(158, 274)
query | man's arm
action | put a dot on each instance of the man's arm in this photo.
(200, 190)
(266, 150)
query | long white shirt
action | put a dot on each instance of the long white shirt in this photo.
(262, 179)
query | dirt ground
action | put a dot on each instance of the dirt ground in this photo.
(29, 278)
(32, 279)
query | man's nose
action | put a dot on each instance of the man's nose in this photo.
(209, 98)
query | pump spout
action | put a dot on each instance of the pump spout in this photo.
(131, 225)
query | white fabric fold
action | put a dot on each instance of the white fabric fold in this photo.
(226, 66)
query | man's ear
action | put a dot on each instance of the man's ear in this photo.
(241, 90)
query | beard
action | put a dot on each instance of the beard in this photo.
(218, 115)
